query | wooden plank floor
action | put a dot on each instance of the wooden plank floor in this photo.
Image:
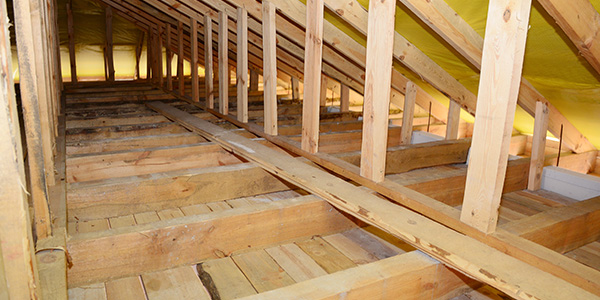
(252, 272)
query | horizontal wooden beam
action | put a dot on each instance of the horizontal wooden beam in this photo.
(561, 229)
(112, 132)
(188, 240)
(130, 143)
(135, 194)
(411, 275)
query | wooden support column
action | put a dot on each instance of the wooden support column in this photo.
(169, 59)
(149, 55)
(538, 148)
(159, 56)
(313, 57)
(223, 64)
(194, 59)
(380, 42)
(253, 80)
(19, 270)
(242, 65)
(502, 63)
(269, 67)
(208, 63)
(323, 91)
(408, 113)
(344, 98)
(31, 117)
(138, 54)
(453, 122)
(71, 31)
(296, 88)
(180, 58)
(110, 63)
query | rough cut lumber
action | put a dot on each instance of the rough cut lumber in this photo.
(581, 22)
(407, 276)
(502, 63)
(465, 253)
(180, 78)
(453, 121)
(242, 65)
(169, 57)
(208, 63)
(376, 106)
(262, 271)
(454, 30)
(223, 279)
(313, 58)
(538, 149)
(561, 229)
(71, 30)
(31, 117)
(130, 143)
(194, 60)
(130, 195)
(110, 62)
(269, 67)
(182, 241)
(18, 270)
(174, 284)
(344, 98)
(408, 113)
(223, 65)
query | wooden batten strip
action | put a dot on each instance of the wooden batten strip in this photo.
(184, 241)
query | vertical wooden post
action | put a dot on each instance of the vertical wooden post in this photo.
(138, 54)
(223, 64)
(159, 55)
(269, 67)
(242, 65)
(538, 148)
(31, 117)
(313, 56)
(453, 122)
(194, 60)
(180, 76)
(344, 98)
(17, 249)
(502, 63)
(109, 44)
(408, 113)
(208, 63)
(253, 80)
(296, 88)
(149, 55)
(169, 57)
(380, 42)
(71, 43)
(322, 91)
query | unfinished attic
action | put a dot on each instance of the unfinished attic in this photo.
(287, 149)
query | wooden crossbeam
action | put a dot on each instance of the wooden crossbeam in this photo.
(474, 258)
(385, 279)
(502, 63)
(184, 241)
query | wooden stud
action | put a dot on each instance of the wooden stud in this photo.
(19, 271)
(169, 57)
(295, 89)
(208, 63)
(149, 55)
(313, 57)
(159, 56)
(538, 148)
(180, 58)
(71, 33)
(408, 113)
(502, 63)
(453, 122)
(253, 80)
(242, 65)
(109, 43)
(223, 64)
(138, 54)
(269, 67)
(323, 91)
(31, 117)
(344, 98)
(194, 59)
(380, 43)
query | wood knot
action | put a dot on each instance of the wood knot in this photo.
(506, 15)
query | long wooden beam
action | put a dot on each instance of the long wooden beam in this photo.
(71, 34)
(242, 65)
(384, 279)
(18, 269)
(182, 241)
(223, 64)
(194, 60)
(269, 67)
(470, 256)
(438, 15)
(208, 63)
(502, 63)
